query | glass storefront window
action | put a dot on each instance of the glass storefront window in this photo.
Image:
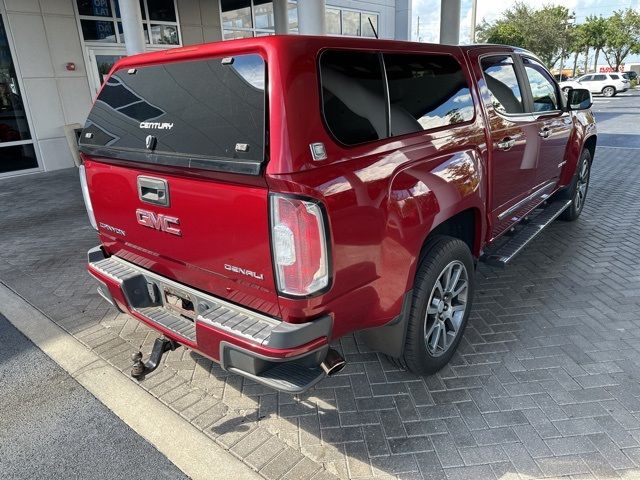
(351, 23)
(142, 9)
(367, 20)
(17, 157)
(164, 34)
(144, 28)
(99, 18)
(95, 8)
(293, 17)
(98, 31)
(14, 126)
(236, 13)
(263, 14)
(256, 18)
(233, 34)
(332, 20)
(162, 10)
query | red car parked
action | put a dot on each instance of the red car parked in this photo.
(257, 199)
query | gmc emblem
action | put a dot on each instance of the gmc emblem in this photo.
(158, 221)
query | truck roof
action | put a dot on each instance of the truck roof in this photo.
(278, 42)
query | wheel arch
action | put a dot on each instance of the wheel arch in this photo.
(464, 225)
(590, 144)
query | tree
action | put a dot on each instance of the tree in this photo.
(594, 31)
(578, 45)
(622, 36)
(546, 32)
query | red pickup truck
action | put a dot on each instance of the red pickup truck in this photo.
(258, 199)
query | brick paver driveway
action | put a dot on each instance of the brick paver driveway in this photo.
(545, 382)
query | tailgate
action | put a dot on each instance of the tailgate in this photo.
(212, 235)
(203, 120)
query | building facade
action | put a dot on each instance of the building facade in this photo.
(55, 53)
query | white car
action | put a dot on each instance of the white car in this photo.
(608, 84)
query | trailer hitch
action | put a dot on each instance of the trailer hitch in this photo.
(160, 347)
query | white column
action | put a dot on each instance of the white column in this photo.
(311, 17)
(281, 16)
(403, 20)
(450, 22)
(132, 26)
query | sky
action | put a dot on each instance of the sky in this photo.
(429, 13)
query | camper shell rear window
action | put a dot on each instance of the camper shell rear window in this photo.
(207, 114)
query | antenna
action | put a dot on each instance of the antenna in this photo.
(372, 27)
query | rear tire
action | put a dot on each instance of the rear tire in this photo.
(609, 91)
(440, 307)
(577, 191)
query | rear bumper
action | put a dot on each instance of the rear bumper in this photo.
(282, 355)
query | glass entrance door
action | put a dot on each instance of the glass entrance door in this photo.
(102, 59)
(17, 152)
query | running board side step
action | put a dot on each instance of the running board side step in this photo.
(505, 252)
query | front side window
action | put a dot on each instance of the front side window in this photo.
(353, 96)
(586, 78)
(425, 92)
(502, 82)
(543, 89)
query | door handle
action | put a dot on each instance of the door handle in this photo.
(544, 132)
(506, 143)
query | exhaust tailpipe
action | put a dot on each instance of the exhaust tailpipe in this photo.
(333, 362)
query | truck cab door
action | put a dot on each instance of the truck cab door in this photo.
(554, 124)
(513, 138)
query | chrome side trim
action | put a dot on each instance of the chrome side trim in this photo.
(538, 192)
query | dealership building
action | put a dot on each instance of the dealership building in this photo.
(54, 53)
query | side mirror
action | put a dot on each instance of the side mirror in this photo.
(579, 99)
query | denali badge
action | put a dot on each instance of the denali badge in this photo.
(156, 125)
(158, 221)
(109, 228)
(248, 273)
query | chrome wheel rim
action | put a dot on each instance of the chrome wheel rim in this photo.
(608, 92)
(446, 308)
(581, 186)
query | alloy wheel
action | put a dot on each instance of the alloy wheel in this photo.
(581, 186)
(608, 91)
(446, 308)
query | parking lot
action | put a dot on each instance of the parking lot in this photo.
(545, 382)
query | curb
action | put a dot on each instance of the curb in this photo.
(190, 450)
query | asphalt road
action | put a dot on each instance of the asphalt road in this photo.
(51, 427)
(618, 120)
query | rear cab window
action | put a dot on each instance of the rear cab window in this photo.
(207, 114)
(368, 96)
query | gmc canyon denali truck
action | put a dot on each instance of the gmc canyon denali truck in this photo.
(257, 199)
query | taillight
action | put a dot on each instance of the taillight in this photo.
(299, 245)
(86, 197)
